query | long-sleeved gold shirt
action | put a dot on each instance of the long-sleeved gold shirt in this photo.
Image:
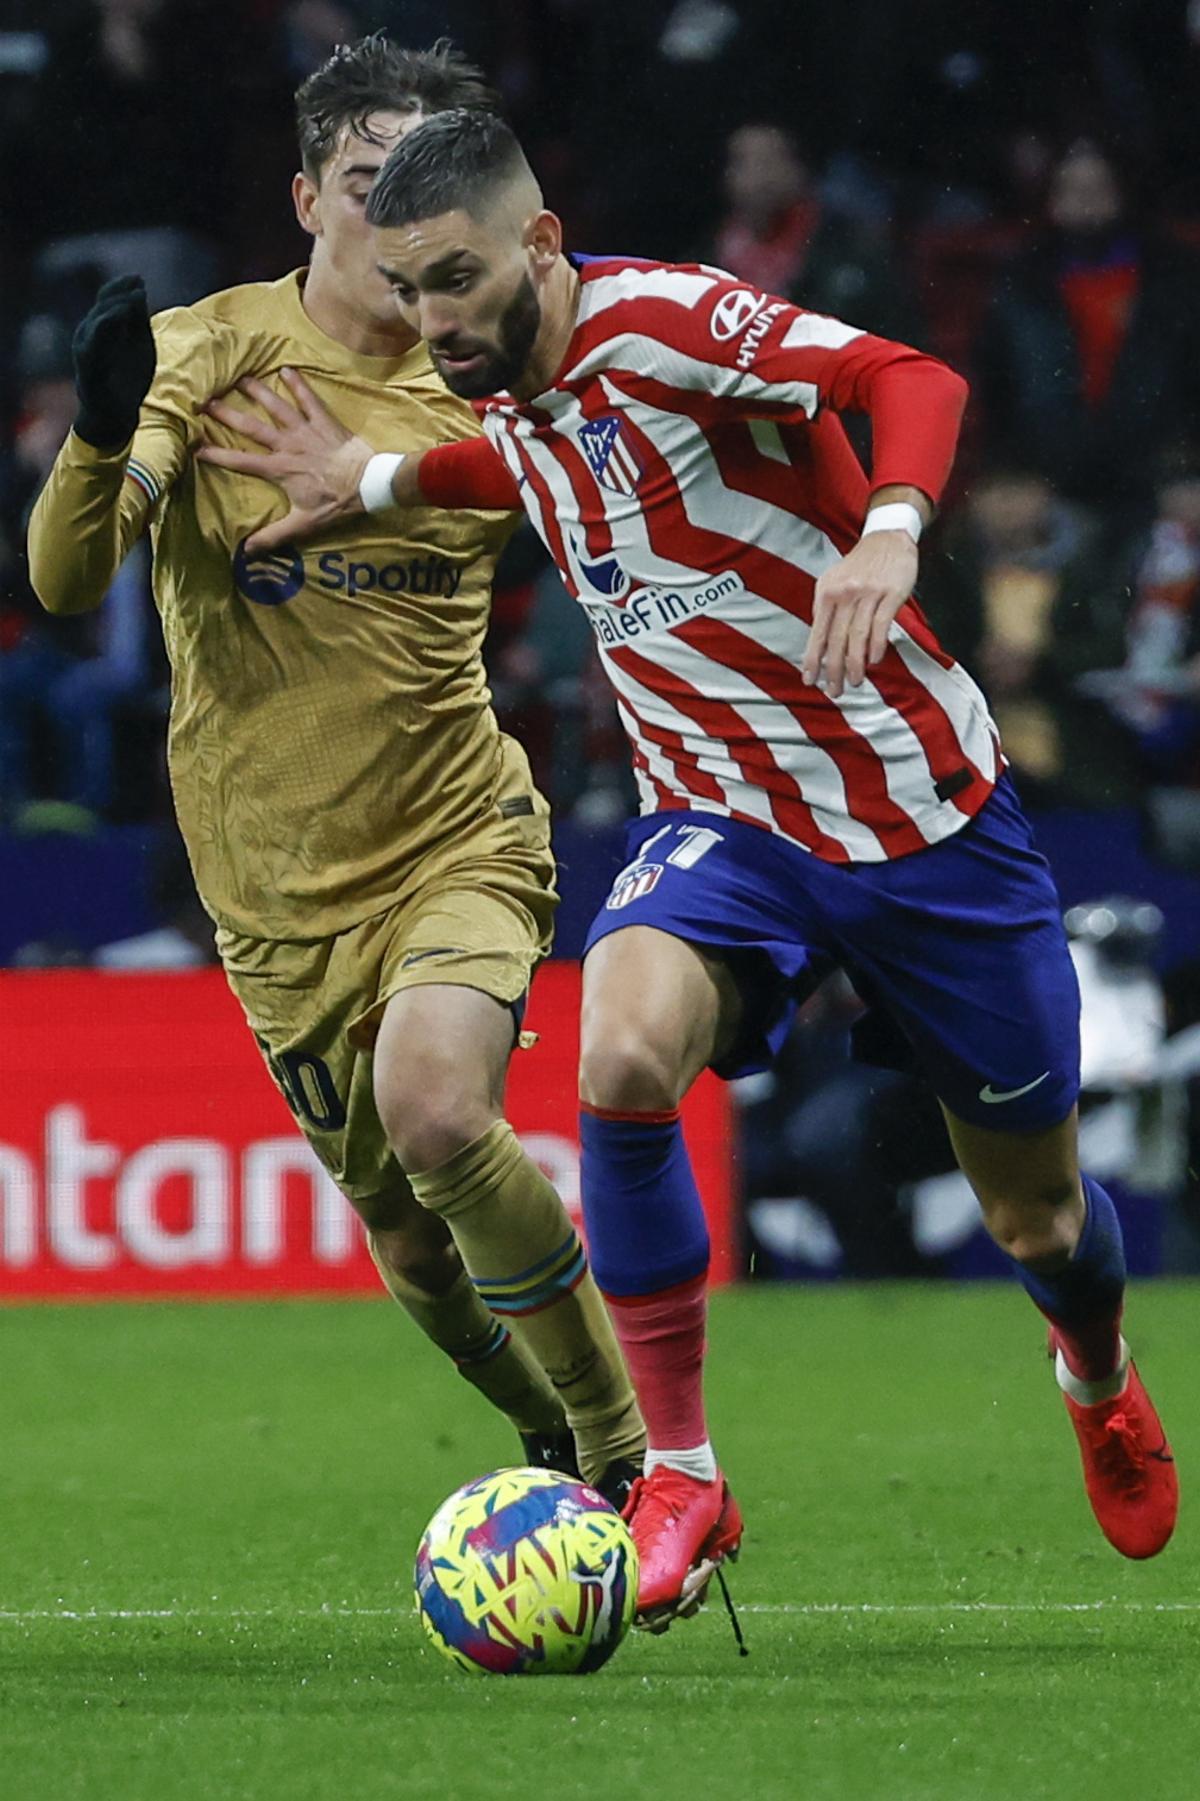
(331, 725)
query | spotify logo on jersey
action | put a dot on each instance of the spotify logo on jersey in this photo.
(268, 580)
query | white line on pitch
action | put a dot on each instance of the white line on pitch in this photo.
(798, 1608)
(884, 1607)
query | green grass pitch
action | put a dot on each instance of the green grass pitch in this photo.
(209, 1512)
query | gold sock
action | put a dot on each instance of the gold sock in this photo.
(527, 1264)
(481, 1347)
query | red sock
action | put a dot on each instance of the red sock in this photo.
(1092, 1352)
(662, 1336)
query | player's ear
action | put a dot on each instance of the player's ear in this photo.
(306, 198)
(543, 238)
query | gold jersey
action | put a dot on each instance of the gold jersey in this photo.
(331, 725)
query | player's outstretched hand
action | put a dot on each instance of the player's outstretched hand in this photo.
(114, 356)
(856, 602)
(304, 450)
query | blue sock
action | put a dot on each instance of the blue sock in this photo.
(1083, 1299)
(645, 1225)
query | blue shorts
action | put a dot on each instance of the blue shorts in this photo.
(960, 946)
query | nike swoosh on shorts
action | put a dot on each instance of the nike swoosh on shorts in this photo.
(989, 1094)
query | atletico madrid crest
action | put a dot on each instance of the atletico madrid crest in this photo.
(610, 456)
(632, 883)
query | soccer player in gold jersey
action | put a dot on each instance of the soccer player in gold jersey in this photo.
(369, 844)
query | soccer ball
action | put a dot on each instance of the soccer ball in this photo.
(526, 1573)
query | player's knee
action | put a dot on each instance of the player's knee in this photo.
(1041, 1231)
(424, 1137)
(430, 1119)
(626, 1068)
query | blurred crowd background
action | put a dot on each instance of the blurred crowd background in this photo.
(1012, 185)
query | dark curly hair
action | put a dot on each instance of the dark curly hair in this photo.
(375, 75)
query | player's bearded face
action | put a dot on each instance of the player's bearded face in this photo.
(473, 364)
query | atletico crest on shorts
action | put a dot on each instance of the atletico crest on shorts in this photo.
(611, 459)
(632, 883)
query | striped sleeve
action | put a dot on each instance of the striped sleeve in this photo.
(753, 355)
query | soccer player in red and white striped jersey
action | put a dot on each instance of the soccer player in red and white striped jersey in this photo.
(688, 470)
(821, 784)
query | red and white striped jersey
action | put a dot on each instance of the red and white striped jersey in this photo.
(689, 476)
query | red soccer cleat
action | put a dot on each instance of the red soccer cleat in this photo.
(683, 1529)
(1128, 1468)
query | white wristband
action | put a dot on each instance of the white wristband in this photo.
(894, 516)
(375, 488)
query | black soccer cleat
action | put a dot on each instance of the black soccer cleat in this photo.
(551, 1451)
(617, 1482)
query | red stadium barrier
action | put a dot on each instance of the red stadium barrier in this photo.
(145, 1150)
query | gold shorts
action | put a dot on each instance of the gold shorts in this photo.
(479, 916)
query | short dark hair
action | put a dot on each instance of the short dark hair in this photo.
(375, 75)
(450, 163)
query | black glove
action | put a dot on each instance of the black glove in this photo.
(114, 356)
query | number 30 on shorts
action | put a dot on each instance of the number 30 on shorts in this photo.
(307, 1087)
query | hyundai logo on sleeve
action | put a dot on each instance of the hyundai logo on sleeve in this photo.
(733, 313)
